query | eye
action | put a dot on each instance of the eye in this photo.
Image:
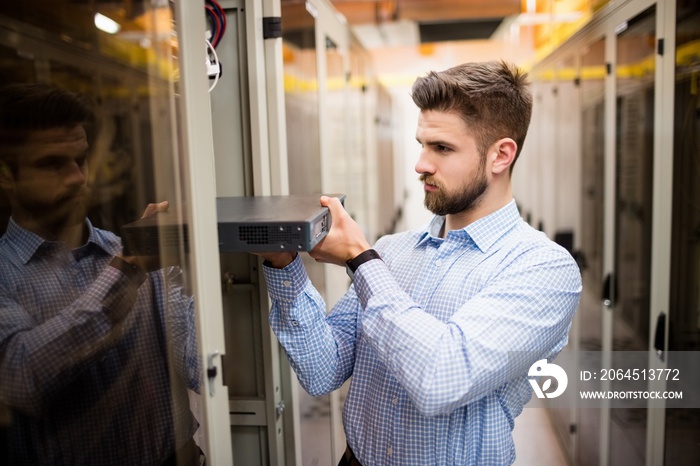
(443, 149)
(51, 163)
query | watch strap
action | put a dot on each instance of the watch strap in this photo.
(352, 265)
(134, 272)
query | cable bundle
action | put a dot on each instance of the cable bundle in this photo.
(217, 16)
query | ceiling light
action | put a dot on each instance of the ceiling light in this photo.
(106, 24)
(532, 19)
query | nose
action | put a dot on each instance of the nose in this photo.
(423, 165)
(75, 173)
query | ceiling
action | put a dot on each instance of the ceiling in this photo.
(380, 23)
(387, 23)
(424, 11)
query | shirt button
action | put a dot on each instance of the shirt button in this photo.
(395, 401)
(287, 283)
(390, 451)
(438, 262)
(295, 323)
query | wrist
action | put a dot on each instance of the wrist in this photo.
(365, 256)
(355, 251)
(131, 270)
(279, 260)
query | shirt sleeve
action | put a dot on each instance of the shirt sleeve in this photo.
(320, 348)
(37, 361)
(178, 308)
(521, 316)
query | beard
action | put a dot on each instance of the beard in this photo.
(58, 213)
(465, 198)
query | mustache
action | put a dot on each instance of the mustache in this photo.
(428, 179)
(83, 190)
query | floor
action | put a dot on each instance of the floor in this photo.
(536, 443)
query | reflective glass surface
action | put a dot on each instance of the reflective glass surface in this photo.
(634, 75)
(592, 88)
(98, 342)
(683, 425)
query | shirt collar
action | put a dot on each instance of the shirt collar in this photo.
(27, 243)
(483, 232)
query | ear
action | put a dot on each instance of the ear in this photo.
(6, 177)
(502, 155)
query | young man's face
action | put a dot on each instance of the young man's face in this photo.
(49, 185)
(451, 167)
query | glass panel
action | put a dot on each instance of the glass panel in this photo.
(683, 425)
(592, 88)
(634, 76)
(566, 101)
(62, 19)
(98, 359)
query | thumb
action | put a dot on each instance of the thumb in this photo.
(333, 204)
(154, 208)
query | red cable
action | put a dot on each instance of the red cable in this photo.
(223, 15)
(215, 40)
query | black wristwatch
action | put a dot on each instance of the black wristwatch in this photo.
(352, 265)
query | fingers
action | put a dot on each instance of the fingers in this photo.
(333, 204)
(327, 201)
(163, 206)
(154, 208)
(278, 260)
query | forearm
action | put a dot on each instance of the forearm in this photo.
(180, 326)
(39, 360)
(317, 351)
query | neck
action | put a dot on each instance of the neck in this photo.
(72, 234)
(493, 199)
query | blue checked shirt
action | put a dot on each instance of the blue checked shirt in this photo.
(81, 362)
(426, 335)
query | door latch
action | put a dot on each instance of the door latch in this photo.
(211, 370)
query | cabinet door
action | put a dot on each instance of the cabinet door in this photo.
(124, 388)
(682, 426)
(634, 74)
(590, 318)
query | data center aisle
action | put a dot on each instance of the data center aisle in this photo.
(536, 442)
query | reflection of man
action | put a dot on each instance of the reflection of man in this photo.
(84, 332)
(428, 329)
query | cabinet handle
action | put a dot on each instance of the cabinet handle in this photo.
(609, 290)
(660, 335)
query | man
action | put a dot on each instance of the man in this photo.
(441, 325)
(96, 354)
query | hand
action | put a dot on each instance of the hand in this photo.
(151, 263)
(278, 260)
(153, 208)
(344, 241)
